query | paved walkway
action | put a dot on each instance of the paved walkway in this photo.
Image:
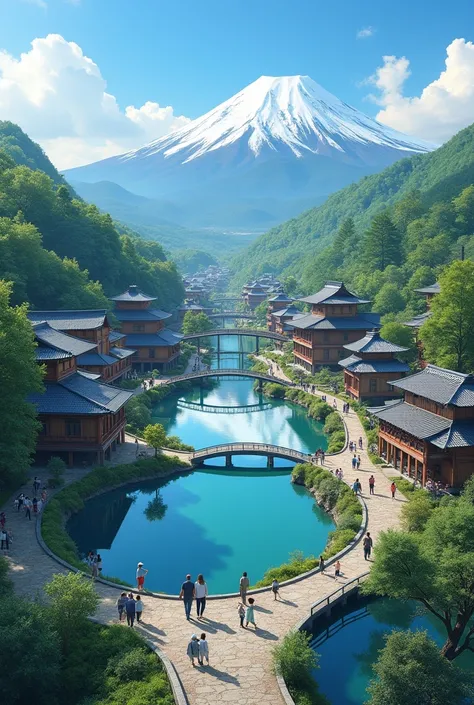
(240, 669)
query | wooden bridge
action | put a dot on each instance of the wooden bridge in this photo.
(256, 333)
(213, 409)
(233, 314)
(227, 450)
(231, 372)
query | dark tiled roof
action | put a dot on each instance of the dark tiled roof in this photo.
(418, 321)
(95, 359)
(43, 352)
(121, 353)
(115, 335)
(433, 289)
(281, 297)
(355, 364)
(440, 385)
(70, 320)
(373, 343)
(88, 375)
(148, 314)
(78, 394)
(290, 311)
(334, 293)
(60, 342)
(361, 322)
(164, 338)
(411, 419)
(133, 293)
(459, 435)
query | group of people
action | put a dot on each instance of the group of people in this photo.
(147, 384)
(353, 445)
(131, 606)
(198, 649)
(319, 456)
(190, 591)
(355, 461)
(357, 486)
(31, 505)
(346, 407)
(94, 561)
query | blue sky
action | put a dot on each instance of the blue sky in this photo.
(192, 55)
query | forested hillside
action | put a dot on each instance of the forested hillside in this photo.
(438, 177)
(61, 252)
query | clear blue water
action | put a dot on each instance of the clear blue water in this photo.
(216, 522)
(347, 657)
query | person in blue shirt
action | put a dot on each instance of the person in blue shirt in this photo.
(187, 595)
(130, 609)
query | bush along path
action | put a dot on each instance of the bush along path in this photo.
(240, 659)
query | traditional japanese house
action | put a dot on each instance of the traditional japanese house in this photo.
(254, 295)
(156, 347)
(370, 368)
(430, 433)
(81, 419)
(319, 337)
(276, 303)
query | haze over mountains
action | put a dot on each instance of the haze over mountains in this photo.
(275, 148)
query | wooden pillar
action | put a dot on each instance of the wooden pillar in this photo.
(402, 460)
(228, 460)
(270, 461)
(100, 457)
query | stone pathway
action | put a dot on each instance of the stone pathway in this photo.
(240, 669)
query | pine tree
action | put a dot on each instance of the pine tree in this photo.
(382, 244)
(343, 242)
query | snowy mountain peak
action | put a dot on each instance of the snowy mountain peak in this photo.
(280, 113)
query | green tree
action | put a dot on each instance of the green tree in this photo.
(398, 334)
(73, 600)
(389, 300)
(464, 208)
(436, 568)
(290, 285)
(155, 436)
(411, 670)
(416, 512)
(20, 375)
(260, 314)
(196, 323)
(30, 643)
(448, 335)
(382, 244)
(294, 659)
(344, 242)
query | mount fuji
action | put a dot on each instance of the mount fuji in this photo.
(278, 146)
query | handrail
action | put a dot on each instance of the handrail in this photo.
(232, 372)
(212, 409)
(254, 332)
(339, 592)
(240, 447)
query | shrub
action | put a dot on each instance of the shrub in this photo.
(293, 659)
(274, 390)
(56, 468)
(337, 441)
(297, 565)
(416, 512)
(348, 520)
(339, 540)
(333, 423)
(133, 665)
(328, 491)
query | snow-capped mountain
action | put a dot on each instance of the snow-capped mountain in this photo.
(282, 142)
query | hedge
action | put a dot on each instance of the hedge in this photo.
(71, 500)
(347, 512)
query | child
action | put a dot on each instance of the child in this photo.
(203, 650)
(193, 649)
(241, 613)
(337, 569)
(276, 589)
(249, 614)
(139, 608)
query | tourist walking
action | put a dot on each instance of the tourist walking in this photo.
(200, 592)
(367, 544)
(241, 613)
(354, 462)
(28, 504)
(130, 609)
(393, 489)
(95, 568)
(249, 613)
(337, 569)
(121, 604)
(138, 608)
(4, 546)
(276, 589)
(36, 485)
(193, 649)
(322, 565)
(358, 462)
(356, 486)
(141, 573)
(243, 587)
(360, 442)
(187, 594)
(203, 650)
(371, 484)
(99, 563)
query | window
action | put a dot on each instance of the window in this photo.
(138, 327)
(325, 354)
(151, 352)
(372, 385)
(73, 428)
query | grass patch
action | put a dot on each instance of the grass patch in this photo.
(71, 500)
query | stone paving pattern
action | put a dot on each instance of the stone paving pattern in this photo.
(240, 659)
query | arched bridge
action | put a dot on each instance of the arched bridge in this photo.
(227, 450)
(233, 314)
(226, 373)
(254, 332)
(212, 409)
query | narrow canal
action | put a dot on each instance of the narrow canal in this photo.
(212, 520)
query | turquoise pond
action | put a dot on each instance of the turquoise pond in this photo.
(217, 522)
(349, 643)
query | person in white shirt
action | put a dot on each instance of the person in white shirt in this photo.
(200, 593)
(203, 650)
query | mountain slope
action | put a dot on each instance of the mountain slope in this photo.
(283, 139)
(438, 175)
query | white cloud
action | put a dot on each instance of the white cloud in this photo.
(365, 32)
(444, 106)
(59, 97)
